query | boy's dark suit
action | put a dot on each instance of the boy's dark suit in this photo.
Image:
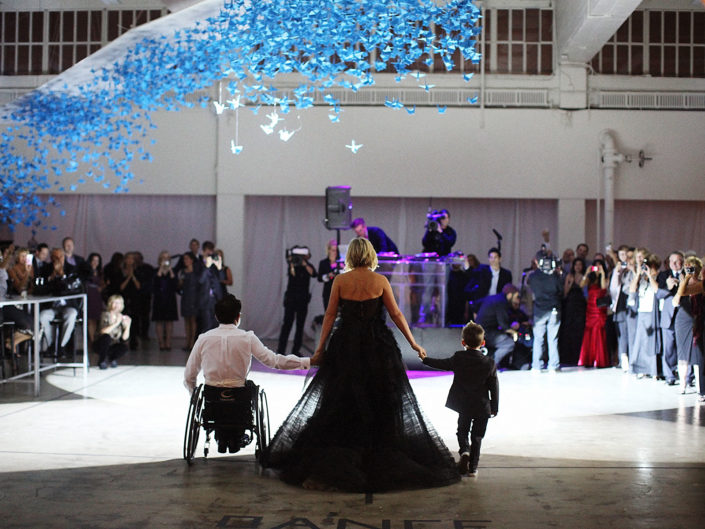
(474, 394)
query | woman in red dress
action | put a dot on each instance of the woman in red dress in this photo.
(593, 352)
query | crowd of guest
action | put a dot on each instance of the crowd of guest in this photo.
(123, 297)
(626, 308)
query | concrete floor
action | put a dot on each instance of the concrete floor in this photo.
(582, 448)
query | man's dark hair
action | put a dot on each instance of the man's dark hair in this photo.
(63, 241)
(444, 212)
(587, 248)
(41, 246)
(208, 245)
(227, 309)
(357, 222)
(494, 250)
(473, 335)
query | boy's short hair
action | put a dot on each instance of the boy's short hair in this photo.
(473, 335)
(227, 309)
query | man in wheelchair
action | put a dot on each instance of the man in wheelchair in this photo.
(225, 356)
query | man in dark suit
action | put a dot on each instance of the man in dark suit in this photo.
(667, 286)
(500, 330)
(380, 240)
(474, 393)
(487, 280)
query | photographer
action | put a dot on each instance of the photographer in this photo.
(624, 317)
(439, 236)
(328, 268)
(689, 326)
(546, 284)
(668, 281)
(164, 313)
(642, 291)
(296, 297)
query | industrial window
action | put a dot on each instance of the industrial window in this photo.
(521, 41)
(49, 42)
(656, 43)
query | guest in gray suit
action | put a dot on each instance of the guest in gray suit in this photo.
(668, 281)
(474, 393)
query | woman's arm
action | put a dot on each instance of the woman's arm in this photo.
(397, 316)
(228, 277)
(567, 284)
(635, 282)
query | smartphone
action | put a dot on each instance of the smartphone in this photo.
(30, 256)
(593, 268)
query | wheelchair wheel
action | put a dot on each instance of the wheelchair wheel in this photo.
(263, 433)
(193, 424)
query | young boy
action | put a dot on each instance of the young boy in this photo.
(474, 393)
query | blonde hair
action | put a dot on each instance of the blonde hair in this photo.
(360, 253)
(113, 298)
(694, 262)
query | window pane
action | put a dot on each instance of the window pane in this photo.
(699, 28)
(517, 24)
(36, 60)
(502, 58)
(608, 60)
(67, 32)
(654, 26)
(81, 26)
(127, 21)
(486, 22)
(81, 52)
(547, 25)
(22, 60)
(96, 21)
(684, 27)
(66, 57)
(37, 26)
(517, 58)
(23, 26)
(141, 17)
(113, 25)
(54, 59)
(154, 14)
(699, 62)
(669, 26)
(638, 26)
(623, 32)
(95, 48)
(502, 24)
(532, 25)
(55, 26)
(10, 30)
(623, 60)
(669, 61)
(8, 60)
(595, 63)
(655, 61)
(683, 61)
(532, 58)
(546, 58)
(637, 60)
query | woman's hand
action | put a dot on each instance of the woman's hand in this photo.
(419, 350)
(317, 356)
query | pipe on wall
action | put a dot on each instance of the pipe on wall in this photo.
(611, 158)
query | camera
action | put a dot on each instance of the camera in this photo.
(690, 270)
(594, 268)
(644, 267)
(433, 219)
(296, 255)
(623, 263)
(547, 263)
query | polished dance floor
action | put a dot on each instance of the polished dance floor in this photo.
(581, 448)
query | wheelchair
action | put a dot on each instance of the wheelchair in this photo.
(239, 414)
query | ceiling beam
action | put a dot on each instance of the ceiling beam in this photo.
(583, 26)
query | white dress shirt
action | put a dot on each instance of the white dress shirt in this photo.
(495, 282)
(225, 355)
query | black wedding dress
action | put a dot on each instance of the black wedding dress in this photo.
(358, 426)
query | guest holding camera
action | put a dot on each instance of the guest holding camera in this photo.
(574, 305)
(689, 322)
(623, 316)
(646, 343)
(296, 297)
(668, 281)
(593, 352)
(21, 274)
(164, 312)
(439, 236)
(328, 268)
(547, 287)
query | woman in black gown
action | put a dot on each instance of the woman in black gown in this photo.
(570, 335)
(358, 426)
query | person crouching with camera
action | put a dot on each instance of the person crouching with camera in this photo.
(296, 297)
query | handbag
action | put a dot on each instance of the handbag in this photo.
(604, 301)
